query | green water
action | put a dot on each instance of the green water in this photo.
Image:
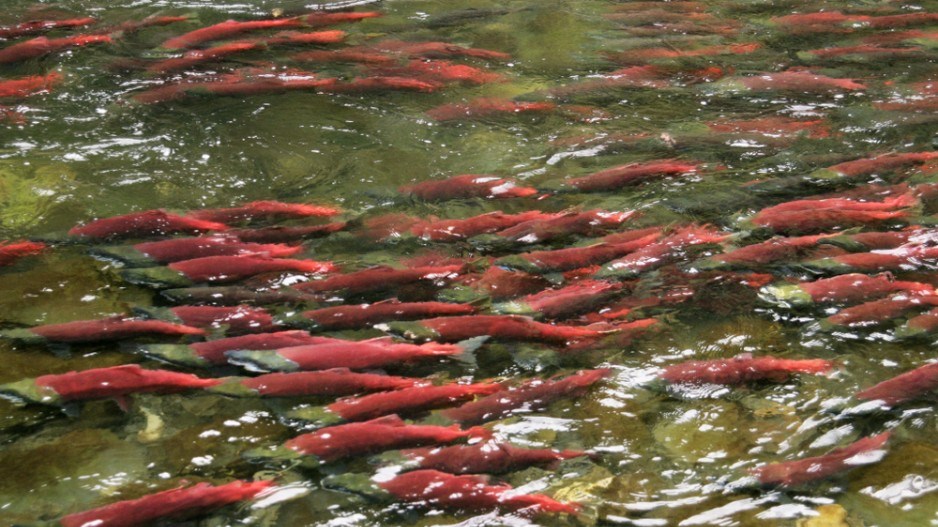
(87, 151)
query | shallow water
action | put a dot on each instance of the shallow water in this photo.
(662, 457)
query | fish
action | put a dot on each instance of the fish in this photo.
(438, 230)
(198, 57)
(554, 304)
(326, 18)
(792, 80)
(631, 174)
(357, 55)
(844, 289)
(901, 259)
(10, 252)
(490, 457)
(286, 234)
(919, 326)
(26, 86)
(41, 46)
(365, 315)
(441, 71)
(349, 440)
(541, 262)
(488, 107)
(406, 401)
(560, 225)
(806, 470)
(212, 352)
(529, 396)
(234, 320)
(263, 210)
(876, 165)
(236, 267)
(354, 355)
(226, 29)
(774, 250)
(235, 295)
(467, 186)
(634, 77)
(494, 284)
(742, 369)
(890, 203)
(379, 278)
(338, 381)
(859, 52)
(178, 249)
(825, 219)
(33, 27)
(772, 127)
(99, 330)
(642, 56)
(654, 255)
(174, 504)
(143, 224)
(438, 50)
(838, 21)
(236, 85)
(432, 488)
(130, 26)
(876, 312)
(115, 382)
(379, 83)
(499, 327)
(904, 387)
(872, 240)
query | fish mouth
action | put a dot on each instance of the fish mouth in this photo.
(178, 354)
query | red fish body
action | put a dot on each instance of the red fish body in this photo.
(342, 354)
(441, 71)
(829, 219)
(501, 327)
(176, 504)
(770, 251)
(41, 46)
(356, 439)
(354, 55)
(234, 86)
(741, 370)
(315, 37)
(660, 253)
(772, 127)
(212, 352)
(283, 234)
(432, 488)
(236, 320)
(118, 381)
(862, 51)
(795, 81)
(407, 401)
(631, 174)
(202, 56)
(381, 83)
(902, 259)
(228, 29)
(574, 257)
(801, 471)
(238, 267)
(633, 77)
(561, 303)
(904, 387)
(879, 311)
(890, 203)
(530, 396)
(923, 324)
(33, 27)
(844, 289)
(645, 55)
(26, 86)
(565, 224)
(10, 252)
(319, 19)
(487, 108)
(364, 315)
(455, 230)
(263, 210)
(438, 50)
(178, 249)
(379, 278)
(143, 224)
(107, 329)
(334, 382)
(881, 164)
(468, 186)
(482, 458)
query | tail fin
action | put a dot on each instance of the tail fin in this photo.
(469, 346)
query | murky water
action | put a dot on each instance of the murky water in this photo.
(662, 457)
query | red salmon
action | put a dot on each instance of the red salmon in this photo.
(487, 108)
(631, 174)
(364, 315)
(233, 268)
(10, 252)
(905, 387)
(143, 224)
(806, 470)
(741, 370)
(41, 46)
(263, 210)
(482, 458)
(468, 186)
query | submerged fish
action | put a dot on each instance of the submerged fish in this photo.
(284, 234)
(100, 330)
(741, 370)
(41, 46)
(379, 278)
(806, 470)
(33, 27)
(10, 252)
(489, 457)
(338, 381)
(263, 210)
(467, 186)
(116, 382)
(143, 224)
(26, 86)
(432, 488)
(488, 107)
(221, 269)
(364, 315)
(904, 387)
(212, 352)
(356, 439)
(631, 174)
(178, 249)
(176, 504)
(845, 289)
(232, 320)
(878, 311)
